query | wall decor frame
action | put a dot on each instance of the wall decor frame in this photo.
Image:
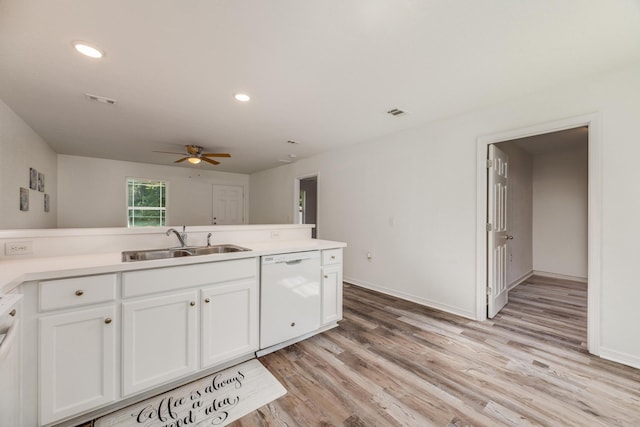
(33, 179)
(24, 199)
(41, 182)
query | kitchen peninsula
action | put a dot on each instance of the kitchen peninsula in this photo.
(99, 333)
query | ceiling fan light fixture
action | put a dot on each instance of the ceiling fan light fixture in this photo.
(242, 97)
(88, 50)
(194, 160)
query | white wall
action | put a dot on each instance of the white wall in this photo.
(519, 213)
(560, 199)
(410, 199)
(20, 149)
(92, 192)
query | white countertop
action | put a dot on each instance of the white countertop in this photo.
(16, 271)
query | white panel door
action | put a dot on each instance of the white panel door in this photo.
(229, 321)
(159, 340)
(228, 204)
(497, 236)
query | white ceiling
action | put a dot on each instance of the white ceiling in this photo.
(320, 72)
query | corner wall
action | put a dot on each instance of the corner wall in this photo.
(560, 198)
(410, 199)
(20, 149)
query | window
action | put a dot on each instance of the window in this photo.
(146, 202)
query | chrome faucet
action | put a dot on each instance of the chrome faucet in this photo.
(182, 237)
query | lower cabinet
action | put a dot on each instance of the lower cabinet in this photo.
(229, 321)
(159, 340)
(108, 337)
(331, 286)
(179, 320)
(331, 294)
(78, 367)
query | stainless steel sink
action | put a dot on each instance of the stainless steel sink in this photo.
(151, 254)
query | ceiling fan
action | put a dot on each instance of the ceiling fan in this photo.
(194, 155)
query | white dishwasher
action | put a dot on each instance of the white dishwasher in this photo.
(289, 296)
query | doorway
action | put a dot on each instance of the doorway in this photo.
(306, 202)
(545, 211)
(590, 122)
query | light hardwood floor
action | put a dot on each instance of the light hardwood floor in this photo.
(395, 363)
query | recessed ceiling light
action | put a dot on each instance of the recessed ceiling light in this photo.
(87, 50)
(242, 97)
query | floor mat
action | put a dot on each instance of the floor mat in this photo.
(215, 400)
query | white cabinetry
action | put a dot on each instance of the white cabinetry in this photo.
(179, 320)
(78, 364)
(159, 340)
(229, 321)
(331, 286)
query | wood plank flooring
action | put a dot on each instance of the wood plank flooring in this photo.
(395, 363)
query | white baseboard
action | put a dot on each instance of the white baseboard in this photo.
(620, 357)
(520, 280)
(559, 276)
(408, 297)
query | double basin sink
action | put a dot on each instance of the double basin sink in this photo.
(151, 254)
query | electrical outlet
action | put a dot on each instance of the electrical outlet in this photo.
(275, 234)
(18, 248)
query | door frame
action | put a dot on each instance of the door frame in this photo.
(594, 240)
(296, 197)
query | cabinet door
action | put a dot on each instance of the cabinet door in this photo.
(77, 362)
(331, 294)
(229, 321)
(159, 340)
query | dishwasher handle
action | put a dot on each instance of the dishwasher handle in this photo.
(7, 342)
(293, 262)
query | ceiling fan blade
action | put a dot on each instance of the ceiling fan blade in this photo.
(181, 160)
(216, 154)
(213, 162)
(167, 152)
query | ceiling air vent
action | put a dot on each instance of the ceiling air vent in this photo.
(396, 112)
(101, 99)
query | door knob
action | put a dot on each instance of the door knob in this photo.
(508, 237)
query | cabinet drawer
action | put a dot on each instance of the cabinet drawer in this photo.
(63, 293)
(136, 283)
(332, 256)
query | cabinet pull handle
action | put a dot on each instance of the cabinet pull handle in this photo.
(207, 300)
(79, 292)
(333, 257)
(107, 320)
(12, 313)
(192, 303)
(326, 277)
(293, 324)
